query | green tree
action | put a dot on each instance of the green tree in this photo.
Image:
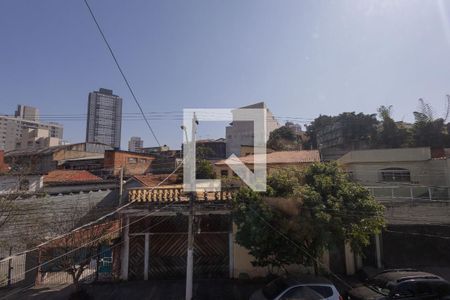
(312, 129)
(357, 129)
(314, 209)
(204, 169)
(284, 139)
(428, 131)
(390, 134)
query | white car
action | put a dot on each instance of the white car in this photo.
(298, 288)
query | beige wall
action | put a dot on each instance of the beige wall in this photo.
(387, 155)
(431, 172)
(270, 168)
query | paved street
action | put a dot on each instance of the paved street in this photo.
(167, 289)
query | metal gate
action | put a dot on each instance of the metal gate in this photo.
(167, 248)
(136, 268)
(168, 256)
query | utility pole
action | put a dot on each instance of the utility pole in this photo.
(190, 146)
(121, 186)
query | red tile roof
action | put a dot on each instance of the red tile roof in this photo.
(152, 180)
(280, 157)
(66, 176)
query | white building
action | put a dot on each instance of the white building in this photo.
(135, 144)
(12, 128)
(242, 132)
(37, 139)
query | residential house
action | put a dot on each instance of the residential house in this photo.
(93, 164)
(42, 161)
(420, 169)
(131, 163)
(413, 185)
(11, 183)
(274, 160)
(75, 181)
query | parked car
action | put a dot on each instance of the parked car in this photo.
(298, 288)
(402, 284)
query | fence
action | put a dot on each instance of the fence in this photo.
(410, 193)
(12, 271)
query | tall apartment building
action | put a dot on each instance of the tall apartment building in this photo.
(135, 144)
(25, 119)
(104, 121)
(241, 133)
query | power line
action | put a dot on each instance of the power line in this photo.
(121, 71)
(92, 222)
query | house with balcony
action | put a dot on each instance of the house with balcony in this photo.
(413, 185)
(402, 172)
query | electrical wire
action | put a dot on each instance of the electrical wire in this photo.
(121, 71)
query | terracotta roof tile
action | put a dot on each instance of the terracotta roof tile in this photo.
(62, 176)
(151, 180)
(281, 157)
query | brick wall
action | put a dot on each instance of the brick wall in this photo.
(132, 163)
(3, 166)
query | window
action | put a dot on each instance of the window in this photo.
(224, 173)
(423, 289)
(142, 160)
(300, 293)
(132, 160)
(405, 290)
(395, 175)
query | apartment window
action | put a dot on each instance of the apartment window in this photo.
(395, 175)
(132, 160)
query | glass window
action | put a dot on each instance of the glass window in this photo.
(325, 291)
(132, 160)
(275, 288)
(302, 293)
(395, 175)
(423, 289)
(224, 173)
(404, 290)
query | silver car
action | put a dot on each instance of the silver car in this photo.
(298, 288)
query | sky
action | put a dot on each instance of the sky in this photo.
(303, 58)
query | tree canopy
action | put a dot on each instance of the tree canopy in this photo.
(284, 139)
(304, 213)
(364, 130)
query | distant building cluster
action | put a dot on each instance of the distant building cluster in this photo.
(24, 130)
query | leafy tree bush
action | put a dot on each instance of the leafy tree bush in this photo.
(304, 213)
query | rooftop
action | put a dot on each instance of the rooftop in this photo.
(152, 180)
(279, 157)
(70, 176)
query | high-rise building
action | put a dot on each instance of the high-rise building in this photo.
(27, 113)
(241, 133)
(26, 118)
(104, 120)
(135, 144)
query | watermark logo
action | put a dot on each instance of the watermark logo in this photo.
(249, 123)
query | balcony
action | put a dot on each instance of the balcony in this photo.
(176, 194)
